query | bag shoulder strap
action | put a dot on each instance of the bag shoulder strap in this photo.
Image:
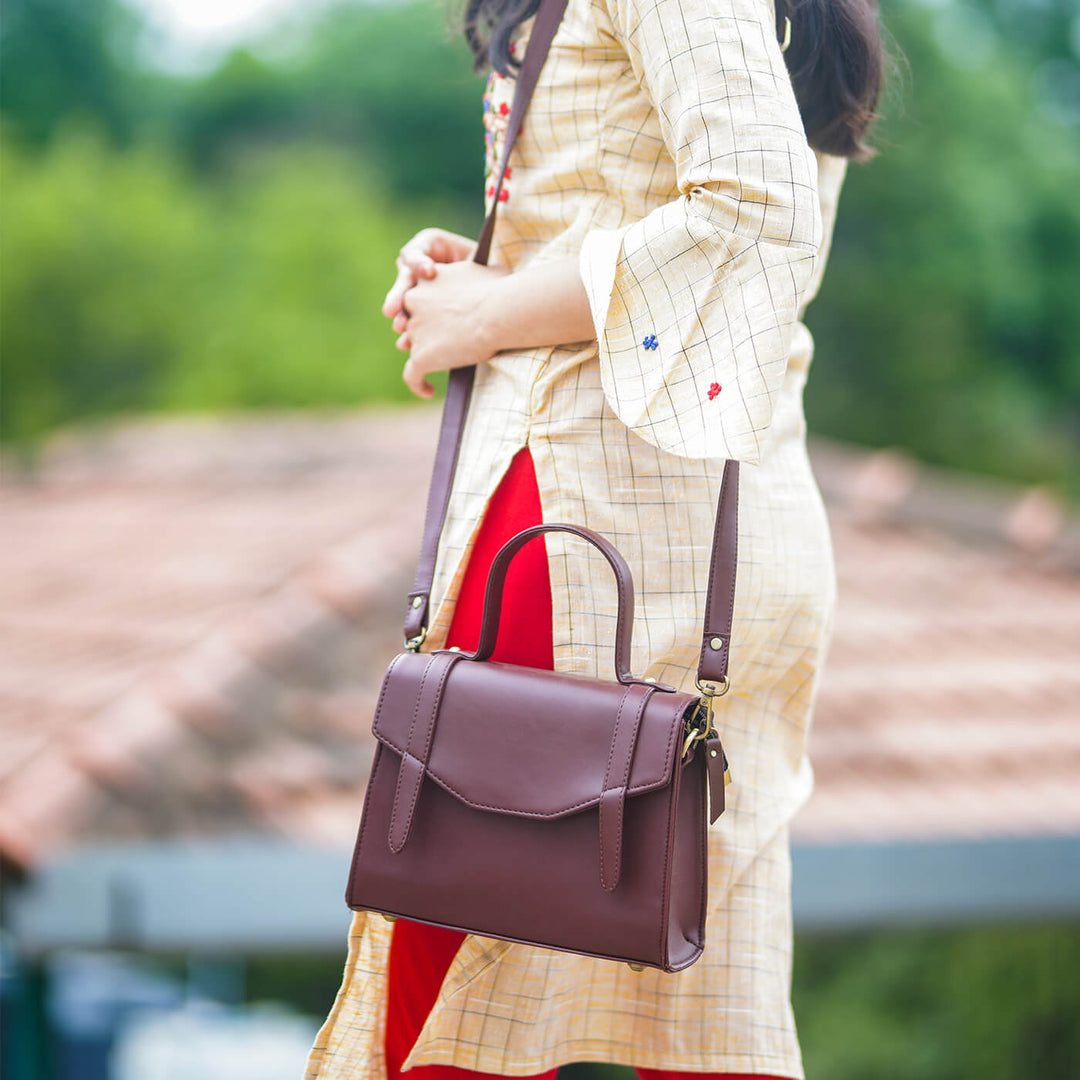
(720, 598)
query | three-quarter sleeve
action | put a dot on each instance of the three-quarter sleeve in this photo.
(695, 304)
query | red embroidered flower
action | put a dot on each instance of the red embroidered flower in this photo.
(714, 390)
(503, 195)
(504, 108)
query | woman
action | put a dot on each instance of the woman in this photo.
(666, 220)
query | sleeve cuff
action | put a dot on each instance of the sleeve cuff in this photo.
(694, 328)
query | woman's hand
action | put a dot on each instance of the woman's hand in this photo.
(444, 322)
(416, 261)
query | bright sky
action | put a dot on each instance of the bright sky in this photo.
(192, 33)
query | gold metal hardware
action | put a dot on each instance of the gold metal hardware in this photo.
(635, 967)
(413, 644)
(388, 918)
(454, 648)
(716, 644)
(699, 727)
(714, 689)
(417, 601)
(787, 35)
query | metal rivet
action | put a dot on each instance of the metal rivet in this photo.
(648, 679)
(635, 967)
(717, 643)
(712, 753)
(455, 648)
(417, 601)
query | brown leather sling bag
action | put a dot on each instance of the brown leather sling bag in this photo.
(535, 806)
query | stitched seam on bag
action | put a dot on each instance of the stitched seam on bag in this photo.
(703, 848)
(626, 775)
(708, 629)
(385, 686)
(363, 822)
(604, 785)
(648, 785)
(371, 779)
(665, 897)
(447, 668)
(406, 753)
(734, 567)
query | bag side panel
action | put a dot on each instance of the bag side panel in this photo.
(690, 868)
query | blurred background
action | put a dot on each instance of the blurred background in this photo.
(214, 482)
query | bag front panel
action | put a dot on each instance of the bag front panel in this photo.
(534, 881)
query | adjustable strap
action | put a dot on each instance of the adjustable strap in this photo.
(460, 383)
(720, 598)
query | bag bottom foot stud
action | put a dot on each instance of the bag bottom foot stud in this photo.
(635, 967)
(388, 918)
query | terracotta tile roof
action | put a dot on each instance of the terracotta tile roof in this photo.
(195, 616)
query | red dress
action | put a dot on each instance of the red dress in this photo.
(421, 955)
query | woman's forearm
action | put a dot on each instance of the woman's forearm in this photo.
(541, 305)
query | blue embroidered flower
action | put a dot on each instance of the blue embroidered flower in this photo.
(650, 342)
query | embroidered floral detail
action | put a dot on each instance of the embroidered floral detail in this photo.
(497, 109)
(714, 390)
(650, 342)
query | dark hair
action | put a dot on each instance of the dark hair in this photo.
(835, 59)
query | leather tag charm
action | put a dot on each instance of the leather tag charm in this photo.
(716, 762)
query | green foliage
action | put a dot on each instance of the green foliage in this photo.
(237, 254)
(391, 81)
(128, 285)
(985, 1003)
(64, 58)
(947, 321)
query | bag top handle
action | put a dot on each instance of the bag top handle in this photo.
(720, 594)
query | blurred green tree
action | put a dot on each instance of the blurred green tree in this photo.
(64, 58)
(947, 321)
(127, 285)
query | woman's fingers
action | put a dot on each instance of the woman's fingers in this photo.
(418, 261)
(415, 381)
(440, 246)
(405, 280)
(403, 343)
(401, 321)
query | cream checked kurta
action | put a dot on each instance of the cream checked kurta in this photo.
(664, 145)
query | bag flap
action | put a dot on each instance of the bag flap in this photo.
(526, 742)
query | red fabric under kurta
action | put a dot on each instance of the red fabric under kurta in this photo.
(421, 955)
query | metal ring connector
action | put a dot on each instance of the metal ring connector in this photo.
(413, 644)
(710, 689)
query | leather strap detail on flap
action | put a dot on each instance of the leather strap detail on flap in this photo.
(417, 752)
(616, 779)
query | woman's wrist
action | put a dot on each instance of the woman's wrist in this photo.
(538, 306)
(493, 317)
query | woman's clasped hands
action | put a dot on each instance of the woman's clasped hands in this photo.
(437, 306)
